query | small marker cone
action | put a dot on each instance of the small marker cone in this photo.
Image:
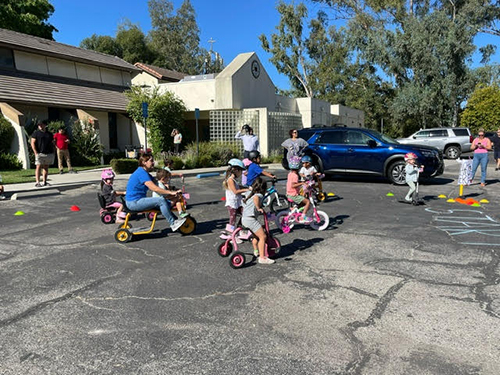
(451, 200)
(484, 201)
(19, 213)
(442, 196)
(390, 195)
(223, 199)
(75, 208)
(331, 194)
(475, 205)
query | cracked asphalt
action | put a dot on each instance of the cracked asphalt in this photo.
(388, 288)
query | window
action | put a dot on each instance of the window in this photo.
(464, 132)
(422, 134)
(333, 137)
(357, 138)
(6, 58)
(439, 133)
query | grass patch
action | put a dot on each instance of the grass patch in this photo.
(28, 175)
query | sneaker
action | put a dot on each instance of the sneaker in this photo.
(61, 172)
(306, 220)
(177, 224)
(256, 252)
(119, 221)
(72, 171)
(38, 184)
(45, 184)
(2, 197)
(183, 214)
(266, 261)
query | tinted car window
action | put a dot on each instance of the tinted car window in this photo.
(439, 133)
(357, 138)
(461, 132)
(422, 134)
(335, 137)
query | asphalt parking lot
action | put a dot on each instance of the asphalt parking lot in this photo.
(388, 288)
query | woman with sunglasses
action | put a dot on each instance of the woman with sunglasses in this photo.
(481, 145)
(294, 145)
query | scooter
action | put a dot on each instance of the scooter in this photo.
(236, 257)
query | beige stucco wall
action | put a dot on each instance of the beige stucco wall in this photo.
(314, 112)
(87, 72)
(61, 68)
(144, 79)
(112, 77)
(19, 145)
(30, 62)
(194, 94)
(285, 104)
(348, 116)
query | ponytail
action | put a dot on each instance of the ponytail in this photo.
(259, 186)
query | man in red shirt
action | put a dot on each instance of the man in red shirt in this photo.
(62, 142)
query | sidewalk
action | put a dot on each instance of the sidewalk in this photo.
(66, 181)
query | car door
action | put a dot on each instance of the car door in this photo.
(360, 157)
(438, 138)
(421, 137)
(331, 148)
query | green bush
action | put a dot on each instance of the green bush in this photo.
(177, 163)
(124, 166)
(7, 134)
(10, 162)
(212, 154)
(112, 155)
(54, 126)
(85, 148)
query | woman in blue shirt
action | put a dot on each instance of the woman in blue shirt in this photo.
(137, 187)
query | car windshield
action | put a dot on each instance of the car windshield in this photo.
(382, 137)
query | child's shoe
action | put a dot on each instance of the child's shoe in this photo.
(305, 219)
(119, 220)
(266, 260)
(183, 214)
(256, 252)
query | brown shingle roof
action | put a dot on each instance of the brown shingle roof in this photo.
(47, 47)
(51, 91)
(161, 73)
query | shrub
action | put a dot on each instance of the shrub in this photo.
(85, 147)
(10, 162)
(212, 154)
(177, 163)
(124, 166)
(112, 155)
(7, 134)
(54, 126)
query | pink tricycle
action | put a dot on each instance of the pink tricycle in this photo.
(236, 257)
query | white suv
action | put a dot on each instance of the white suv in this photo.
(451, 141)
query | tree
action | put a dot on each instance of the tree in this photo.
(483, 109)
(28, 17)
(102, 43)
(423, 47)
(175, 37)
(132, 43)
(165, 113)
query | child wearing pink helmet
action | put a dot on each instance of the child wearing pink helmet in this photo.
(109, 194)
(412, 170)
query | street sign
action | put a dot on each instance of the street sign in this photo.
(144, 109)
(197, 113)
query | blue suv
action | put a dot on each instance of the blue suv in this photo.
(341, 150)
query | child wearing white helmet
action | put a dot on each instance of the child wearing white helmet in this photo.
(109, 194)
(412, 170)
(233, 191)
(308, 171)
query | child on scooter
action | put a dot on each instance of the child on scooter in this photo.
(252, 206)
(163, 177)
(233, 192)
(412, 171)
(293, 188)
(109, 194)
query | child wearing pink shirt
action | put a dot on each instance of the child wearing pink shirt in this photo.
(293, 188)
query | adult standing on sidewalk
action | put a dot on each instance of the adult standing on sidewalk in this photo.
(481, 145)
(62, 142)
(250, 141)
(177, 140)
(42, 143)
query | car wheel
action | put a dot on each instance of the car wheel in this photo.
(452, 152)
(317, 163)
(396, 173)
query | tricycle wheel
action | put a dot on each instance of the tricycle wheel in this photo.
(107, 219)
(123, 235)
(321, 196)
(225, 249)
(237, 260)
(189, 226)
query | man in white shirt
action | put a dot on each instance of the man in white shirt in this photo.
(250, 141)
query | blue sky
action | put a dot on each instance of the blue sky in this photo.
(234, 24)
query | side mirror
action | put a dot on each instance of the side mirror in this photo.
(371, 143)
(414, 137)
